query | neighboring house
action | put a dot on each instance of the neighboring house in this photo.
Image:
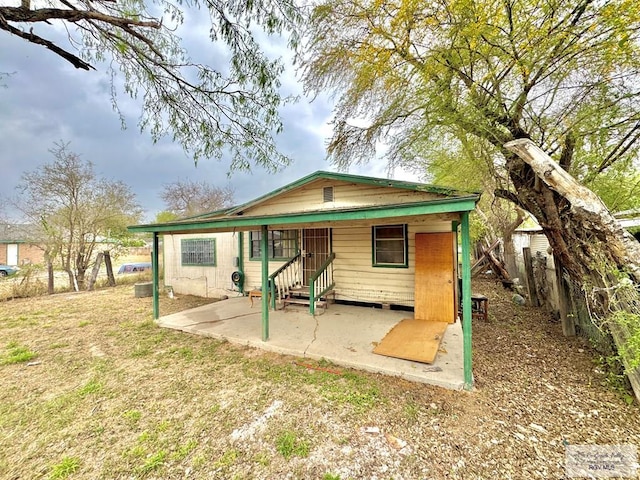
(17, 245)
(530, 235)
(630, 219)
(359, 239)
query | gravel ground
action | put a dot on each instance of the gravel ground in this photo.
(107, 394)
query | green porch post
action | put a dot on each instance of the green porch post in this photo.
(156, 276)
(241, 258)
(264, 246)
(466, 302)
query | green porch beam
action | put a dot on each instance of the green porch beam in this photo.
(264, 247)
(155, 277)
(466, 302)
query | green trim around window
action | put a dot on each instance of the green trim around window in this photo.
(381, 234)
(198, 252)
(288, 251)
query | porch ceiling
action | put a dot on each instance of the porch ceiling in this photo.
(316, 218)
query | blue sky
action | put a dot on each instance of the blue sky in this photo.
(47, 100)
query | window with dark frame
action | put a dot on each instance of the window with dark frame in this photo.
(282, 244)
(198, 251)
(390, 245)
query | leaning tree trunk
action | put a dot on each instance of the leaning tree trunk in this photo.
(579, 227)
(591, 243)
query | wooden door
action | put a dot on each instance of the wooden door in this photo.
(316, 249)
(435, 277)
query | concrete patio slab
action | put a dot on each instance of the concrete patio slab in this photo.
(344, 335)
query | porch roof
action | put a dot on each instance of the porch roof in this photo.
(227, 220)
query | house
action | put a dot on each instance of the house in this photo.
(349, 238)
(530, 236)
(17, 245)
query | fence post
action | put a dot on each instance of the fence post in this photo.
(108, 264)
(531, 284)
(568, 323)
(94, 273)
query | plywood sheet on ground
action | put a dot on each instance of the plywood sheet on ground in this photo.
(412, 339)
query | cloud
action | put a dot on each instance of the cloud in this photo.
(46, 100)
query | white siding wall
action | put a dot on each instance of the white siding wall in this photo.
(204, 281)
(355, 277)
(309, 198)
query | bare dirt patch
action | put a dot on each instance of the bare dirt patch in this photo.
(110, 395)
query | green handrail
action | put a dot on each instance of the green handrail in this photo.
(289, 262)
(322, 268)
(312, 281)
(272, 284)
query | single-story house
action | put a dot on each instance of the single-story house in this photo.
(17, 245)
(346, 237)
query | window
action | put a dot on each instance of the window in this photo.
(390, 246)
(199, 251)
(283, 244)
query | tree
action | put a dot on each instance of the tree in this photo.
(165, 216)
(451, 72)
(444, 75)
(188, 198)
(210, 112)
(75, 210)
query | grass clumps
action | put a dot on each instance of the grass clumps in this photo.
(16, 353)
(67, 466)
(289, 445)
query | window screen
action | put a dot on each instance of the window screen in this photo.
(198, 251)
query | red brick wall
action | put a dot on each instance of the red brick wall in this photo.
(26, 254)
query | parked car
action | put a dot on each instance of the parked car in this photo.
(6, 270)
(134, 267)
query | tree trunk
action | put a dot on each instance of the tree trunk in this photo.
(72, 281)
(80, 279)
(50, 281)
(579, 227)
(589, 241)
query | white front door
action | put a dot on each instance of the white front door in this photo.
(12, 254)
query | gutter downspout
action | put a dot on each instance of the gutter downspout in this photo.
(156, 277)
(264, 245)
(466, 302)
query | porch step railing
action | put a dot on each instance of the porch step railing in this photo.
(285, 279)
(321, 283)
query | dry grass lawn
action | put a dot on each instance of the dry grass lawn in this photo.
(93, 389)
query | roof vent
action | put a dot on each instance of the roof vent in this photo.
(327, 194)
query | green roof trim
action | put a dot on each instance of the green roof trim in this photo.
(348, 177)
(429, 207)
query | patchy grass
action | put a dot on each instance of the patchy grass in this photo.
(288, 444)
(113, 396)
(16, 353)
(64, 469)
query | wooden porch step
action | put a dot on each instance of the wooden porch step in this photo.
(302, 301)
